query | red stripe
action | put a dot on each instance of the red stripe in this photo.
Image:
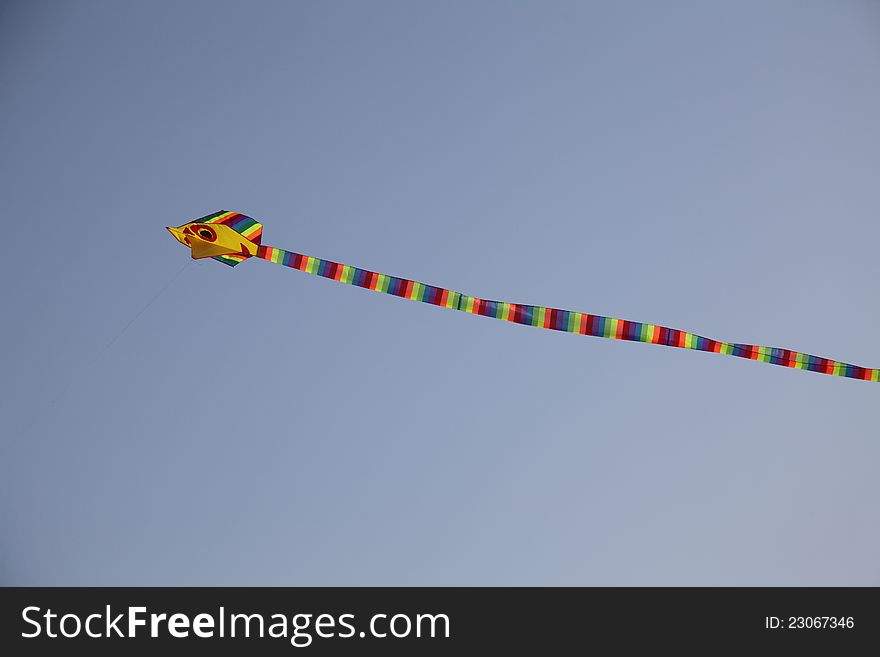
(516, 313)
(662, 335)
(591, 324)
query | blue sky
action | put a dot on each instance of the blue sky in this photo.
(710, 166)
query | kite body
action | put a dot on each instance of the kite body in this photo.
(231, 238)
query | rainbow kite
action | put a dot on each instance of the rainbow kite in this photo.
(231, 238)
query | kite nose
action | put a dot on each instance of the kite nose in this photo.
(178, 234)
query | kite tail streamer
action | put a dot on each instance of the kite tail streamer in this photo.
(559, 320)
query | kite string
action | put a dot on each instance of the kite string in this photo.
(142, 310)
(88, 365)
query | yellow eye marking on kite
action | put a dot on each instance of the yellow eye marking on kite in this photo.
(206, 234)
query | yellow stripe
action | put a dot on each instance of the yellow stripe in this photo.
(219, 218)
(611, 327)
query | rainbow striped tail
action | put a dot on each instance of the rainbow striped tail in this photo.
(560, 320)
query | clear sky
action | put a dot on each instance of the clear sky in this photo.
(711, 166)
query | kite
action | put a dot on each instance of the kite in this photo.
(231, 238)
